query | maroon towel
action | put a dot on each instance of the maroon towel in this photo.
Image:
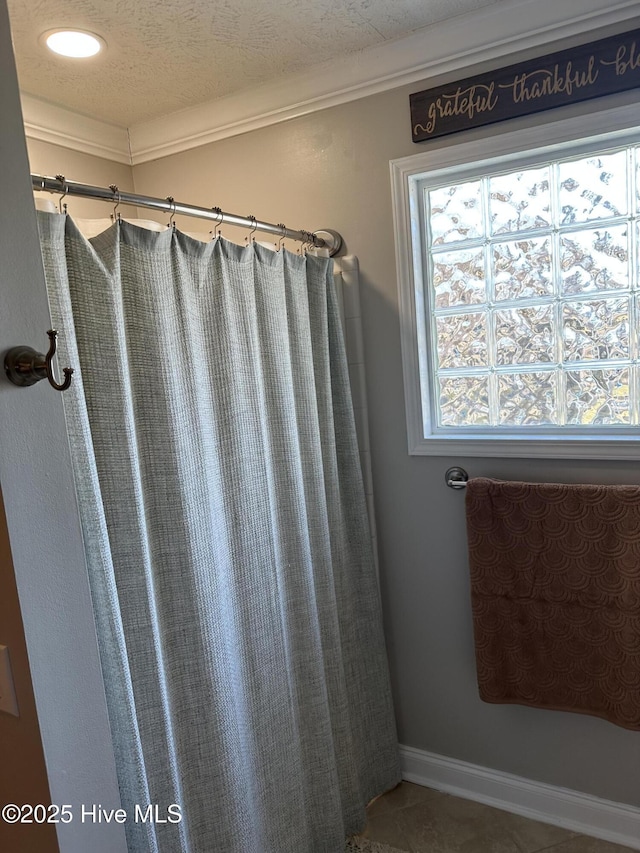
(555, 587)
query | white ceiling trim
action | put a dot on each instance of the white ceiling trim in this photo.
(51, 123)
(486, 34)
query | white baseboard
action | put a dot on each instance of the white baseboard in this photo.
(572, 810)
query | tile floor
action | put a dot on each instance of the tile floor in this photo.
(419, 820)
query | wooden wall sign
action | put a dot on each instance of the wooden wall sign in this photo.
(589, 71)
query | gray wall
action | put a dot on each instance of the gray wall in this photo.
(45, 158)
(46, 546)
(331, 169)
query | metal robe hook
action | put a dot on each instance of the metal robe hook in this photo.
(24, 366)
(68, 371)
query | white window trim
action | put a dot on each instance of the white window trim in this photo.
(614, 126)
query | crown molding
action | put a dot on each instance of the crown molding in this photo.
(487, 34)
(60, 126)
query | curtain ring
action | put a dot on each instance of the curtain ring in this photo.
(115, 215)
(254, 221)
(63, 181)
(283, 229)
(304, 243)
(218, 212)
(171, 223)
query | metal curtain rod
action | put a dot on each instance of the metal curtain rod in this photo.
(322, 239)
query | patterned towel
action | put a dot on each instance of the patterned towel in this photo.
(555, 586)
(357, 844)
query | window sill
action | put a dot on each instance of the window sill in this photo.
(624, 447)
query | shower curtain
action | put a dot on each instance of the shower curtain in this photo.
(226, 536)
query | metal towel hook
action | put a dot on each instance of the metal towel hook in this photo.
(24, 366)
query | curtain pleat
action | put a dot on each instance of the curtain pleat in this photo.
(227, 539)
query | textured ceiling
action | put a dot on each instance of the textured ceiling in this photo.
(162, 57)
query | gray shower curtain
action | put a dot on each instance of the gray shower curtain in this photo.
(226, 536)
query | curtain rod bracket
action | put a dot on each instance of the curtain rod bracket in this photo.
(456, 478)
(331, 240)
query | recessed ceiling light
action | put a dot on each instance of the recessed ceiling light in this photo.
(76, 44)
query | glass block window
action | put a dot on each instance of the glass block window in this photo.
(531, 296)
